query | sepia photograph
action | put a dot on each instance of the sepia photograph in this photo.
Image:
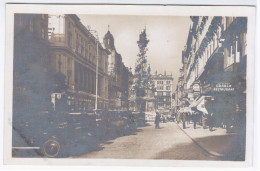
(156, 87)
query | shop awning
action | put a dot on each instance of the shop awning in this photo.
(187, 109)
(196, 102)
(181, 110)
(201, 107)
(200, 104)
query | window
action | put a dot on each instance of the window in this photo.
(228, 21)
(243, 43)
(42, 34)
(86, 53)
(82, 50)
(214, 42)
(77, 46)
(69, 61)
(168, 93)
(168, 87)
(21, 19)
(159, 82)
(31, 26)
(159, 93)
(229, 56)
(70, 40)
(160, 87)
(168, 82)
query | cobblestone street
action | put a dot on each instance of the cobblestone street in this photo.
(168, 142)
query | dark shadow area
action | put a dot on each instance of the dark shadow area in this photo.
(75, 134)
(230, 147)
(184, 151)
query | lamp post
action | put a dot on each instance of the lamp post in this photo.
(96, 100)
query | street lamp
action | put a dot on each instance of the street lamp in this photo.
(96, 101)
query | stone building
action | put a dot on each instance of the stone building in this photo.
(214, 66)
(31, 64)
(163, 91)
(118, 76)
(73, 50)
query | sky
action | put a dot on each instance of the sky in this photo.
(167, 35)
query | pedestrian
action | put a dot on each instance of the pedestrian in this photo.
(184, 119)
(210, 121)
(188, 117)
(199, 118)
(178, 117)
(157, 120)
(195, 119)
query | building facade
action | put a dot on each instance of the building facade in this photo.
(214, 68)
(163, 91)
(31, 64)
(74, 53)
(118, 76)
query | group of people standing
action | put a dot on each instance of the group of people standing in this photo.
(190, 117)
(196, 118)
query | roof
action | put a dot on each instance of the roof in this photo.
(161, 76)
(108, 35)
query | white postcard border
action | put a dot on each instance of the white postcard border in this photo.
(127, 10)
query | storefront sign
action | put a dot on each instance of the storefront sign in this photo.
(224, 86)
(196, 87)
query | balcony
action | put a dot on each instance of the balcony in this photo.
(57, 40)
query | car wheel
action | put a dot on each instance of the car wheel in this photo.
(51, 148)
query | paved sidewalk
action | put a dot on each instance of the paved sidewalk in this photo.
(217, 143)
(169, 142)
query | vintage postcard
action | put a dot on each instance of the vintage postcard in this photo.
(129, 85)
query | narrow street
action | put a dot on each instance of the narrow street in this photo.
(168, 142)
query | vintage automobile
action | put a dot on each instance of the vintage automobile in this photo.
(54, 134)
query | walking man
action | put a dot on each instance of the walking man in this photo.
(157, 120)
